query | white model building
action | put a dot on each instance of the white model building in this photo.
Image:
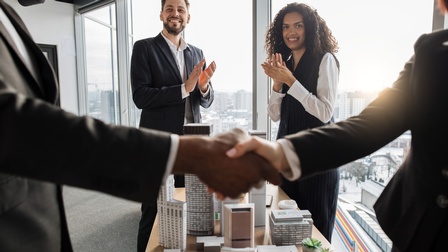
(229, 249)
(258, 195)
(290, 226)
(171, 217)
(200, 219)
(274, 248)
(200, 204)
(239, 225)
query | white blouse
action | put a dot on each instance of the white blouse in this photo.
(320, 105)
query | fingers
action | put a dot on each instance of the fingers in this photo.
(233, 136)
(194, 76)
(206, 75)
(211, 69)
(242, 148)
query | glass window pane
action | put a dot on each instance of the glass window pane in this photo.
(101, 65)
(229, 44)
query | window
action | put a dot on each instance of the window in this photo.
(224, 32)
(101, 64)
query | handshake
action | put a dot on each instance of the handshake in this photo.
(230, 163)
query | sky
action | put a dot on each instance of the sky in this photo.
(375, 37)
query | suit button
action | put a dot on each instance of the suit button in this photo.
(442, 201)
(445, 173)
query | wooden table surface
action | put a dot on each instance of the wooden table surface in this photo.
(261, 233)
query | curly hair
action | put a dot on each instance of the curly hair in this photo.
(318, 37)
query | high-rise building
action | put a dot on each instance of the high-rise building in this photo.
(200, 204)
(172, 218)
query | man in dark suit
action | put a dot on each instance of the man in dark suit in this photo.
(413, 207)
(169, 84)
(43, 147)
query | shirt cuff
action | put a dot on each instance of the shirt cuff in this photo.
(172, 156)
(185, 94)
(204, 94)
(276, 95)
(298, 91)
(295, 171)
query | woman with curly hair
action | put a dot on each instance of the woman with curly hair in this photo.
(305, 76)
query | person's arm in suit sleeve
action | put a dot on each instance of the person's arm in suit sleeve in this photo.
(208, 96)
(146, 63)
(42, 141)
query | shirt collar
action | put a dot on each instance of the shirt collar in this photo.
(183, 45)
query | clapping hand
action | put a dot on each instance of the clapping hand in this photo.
(205, 76)
(276, 69)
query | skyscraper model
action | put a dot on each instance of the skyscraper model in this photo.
(200, 206)
(172, 218)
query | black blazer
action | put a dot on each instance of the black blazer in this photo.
(156, 85)
(42, 146)
(413, 208)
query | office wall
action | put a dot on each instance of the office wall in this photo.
(53, 23)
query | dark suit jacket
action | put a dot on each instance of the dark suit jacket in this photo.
(156, 85)
(413, 208)
(42, 147)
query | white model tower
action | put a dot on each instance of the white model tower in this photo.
(172, 218)
(200, 205)
(258, 195)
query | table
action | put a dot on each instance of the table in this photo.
(261, 233)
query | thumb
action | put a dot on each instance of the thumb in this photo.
(237, 151)
(242, 148)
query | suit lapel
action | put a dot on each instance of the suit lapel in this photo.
(165, 49)
(45, 71)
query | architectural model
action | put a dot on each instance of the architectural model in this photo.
(172, 218)
(239, 225)
(200, 204)
(290, 226)
(258, 195)
(229, 249)
(273, 248)
(209, 243)
(221, 211)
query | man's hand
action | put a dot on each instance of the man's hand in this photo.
(194, 76)
(205, 77)
(229, 177)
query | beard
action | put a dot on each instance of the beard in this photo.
(173, 30)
